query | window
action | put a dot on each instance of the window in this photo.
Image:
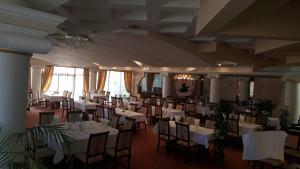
(115, 83)
(157, 84)
(70, 79)
(251, 88)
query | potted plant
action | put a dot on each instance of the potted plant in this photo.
(17, 150)
(220, 133)
(284, 119)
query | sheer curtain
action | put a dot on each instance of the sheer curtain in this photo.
(128, 81)
(47, 77)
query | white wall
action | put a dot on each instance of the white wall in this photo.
(137, 76)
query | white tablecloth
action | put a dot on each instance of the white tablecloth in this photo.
(83, 106)
(81, 138)
(204, 110)
(169, 113)
(127, 103)
(199, 135)
(261, 145)
(249, 128)
(53, 98)
(139, 117)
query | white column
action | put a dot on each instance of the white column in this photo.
(36, 82)
(13, 88)
(215, 88)
(92, 80)
(166, 85)
(292, 99)
(244, 89)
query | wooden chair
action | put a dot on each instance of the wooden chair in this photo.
(65, 104)
(123, 146)
(110, 113)
(101, 101)
(120, 102)
(210, 124)
(233, 128)
(250, 119)
(132, 107)
(190, 109)
(95, 99)
(46, 118)
(143, 110)
(190, 120)
(40, 102)
(114, 122)
(102, 93)
(129, 123)
(74, 116)
(96, 149)
(158, 113)
(179, 107)
(99, 113)
(114, 102)
(152, 101)
(133, 98)
(164, 132)
(183, 137)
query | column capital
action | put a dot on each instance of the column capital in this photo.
(213, 76)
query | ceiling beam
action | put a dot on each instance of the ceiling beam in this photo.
(265, 45)
(213, 15)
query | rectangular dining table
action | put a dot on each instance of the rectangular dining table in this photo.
(169, 112)
(139, 117)
(85, 105)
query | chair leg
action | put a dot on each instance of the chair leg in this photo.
(128, 162)
(145, 127)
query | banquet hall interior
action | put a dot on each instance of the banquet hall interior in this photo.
(148, 84)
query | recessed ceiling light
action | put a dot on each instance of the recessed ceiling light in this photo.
(114, 67)
(138, 63)
(95, 63)
(219, 64)
(190, 69)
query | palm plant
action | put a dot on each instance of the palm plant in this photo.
(220, 133)
(18, 150)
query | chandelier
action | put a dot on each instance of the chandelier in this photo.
(184, 77)
(76, 41)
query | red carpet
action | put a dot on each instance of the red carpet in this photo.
(145, 156)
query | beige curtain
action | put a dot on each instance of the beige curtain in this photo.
(150, 80)
(128, 81)
(47, 77)
(101, 80)
(86, 79)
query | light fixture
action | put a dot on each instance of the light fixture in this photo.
(114, 68)
(97, 64)
(76, 41)
(190, 69)
(145, 68)
(138, 63)
(184, 77)
(219, 64)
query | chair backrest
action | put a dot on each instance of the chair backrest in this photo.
(107, 93)
(65, 93)
(102, 93)
(190, 120)
(163, 102)
(65, 102)
(144, 109)
(182, 132)
(110, 113)
(99, 112)
(124, 140)
(120, 102)
(96, 99)
(114, 102)
(164, 127)
(129, 123)
(46, 118)
(37, 95)
(170, 99)
(133, 98)
(210, 124)
(234, 116)
(72, 103)
(152, 100)
(158, 111)
(179, 106)
(101, 101)
(115, 121)
(190, 108)
(233, 126)
(74, 116)
(132, 107)
(250, 119)
(97, 145)
(69, 95)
